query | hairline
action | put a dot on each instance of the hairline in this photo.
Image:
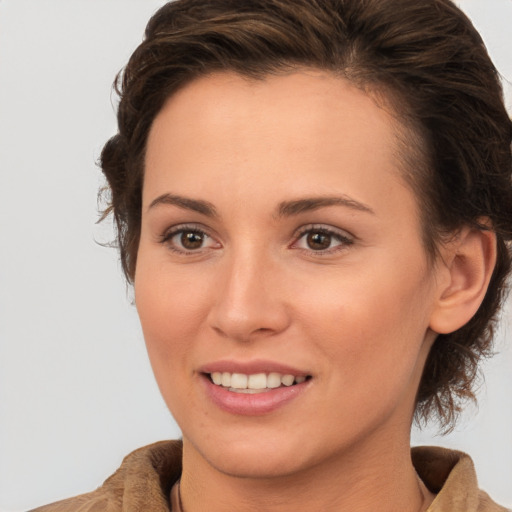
(411, 147)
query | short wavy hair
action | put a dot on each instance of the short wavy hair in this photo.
(423, 58)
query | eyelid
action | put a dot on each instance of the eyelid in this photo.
(166, 237)
(344, 237)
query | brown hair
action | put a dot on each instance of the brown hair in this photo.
(425, 58)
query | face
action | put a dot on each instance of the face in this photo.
(281, 281)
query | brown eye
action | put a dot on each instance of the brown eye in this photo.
(185, 240)
(191, 240)
(318, 241)
(323, 240)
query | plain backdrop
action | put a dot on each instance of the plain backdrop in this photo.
(76, 389)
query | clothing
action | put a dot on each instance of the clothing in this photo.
(146, 476)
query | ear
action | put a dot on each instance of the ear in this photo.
(465, 270)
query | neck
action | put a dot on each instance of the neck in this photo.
(379, 476)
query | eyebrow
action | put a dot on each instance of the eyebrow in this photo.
(289, 208)
(196, 205)
(285, 208)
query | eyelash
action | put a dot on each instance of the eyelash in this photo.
(167, 237)
(344, 239)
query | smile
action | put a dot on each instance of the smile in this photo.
(254, 383)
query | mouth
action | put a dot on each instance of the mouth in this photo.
(254, 388)
(256, 382)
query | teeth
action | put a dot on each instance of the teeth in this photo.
(239, 381)
(273, 380)
(287, 380)
(226, 379)
(217, 378)
(249, 391)
(257, 381)
(254, 383)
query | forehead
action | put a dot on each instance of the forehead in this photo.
(314, 98)
(299, 130)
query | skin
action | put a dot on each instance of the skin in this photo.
(357, 317)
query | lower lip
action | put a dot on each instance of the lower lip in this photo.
(253, 404)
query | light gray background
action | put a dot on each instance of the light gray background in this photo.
(76, 390)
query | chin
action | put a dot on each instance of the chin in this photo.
(267, 455)
(255, 458)
(258, 465)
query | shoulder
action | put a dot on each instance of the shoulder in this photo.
(90, 502)
(451, 476)
(142, 482)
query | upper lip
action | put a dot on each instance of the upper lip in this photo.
(252, 367)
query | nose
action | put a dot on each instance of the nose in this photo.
(250, 299)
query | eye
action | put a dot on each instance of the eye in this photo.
(191, 240)
(185, 239)
(322, 239)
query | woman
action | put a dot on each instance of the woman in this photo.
(314, 205)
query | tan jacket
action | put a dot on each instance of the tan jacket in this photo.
(144, 481)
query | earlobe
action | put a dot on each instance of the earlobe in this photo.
(468, 264)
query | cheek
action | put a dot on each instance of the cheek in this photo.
(169, 319)
(372, 325)
(169, 308)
